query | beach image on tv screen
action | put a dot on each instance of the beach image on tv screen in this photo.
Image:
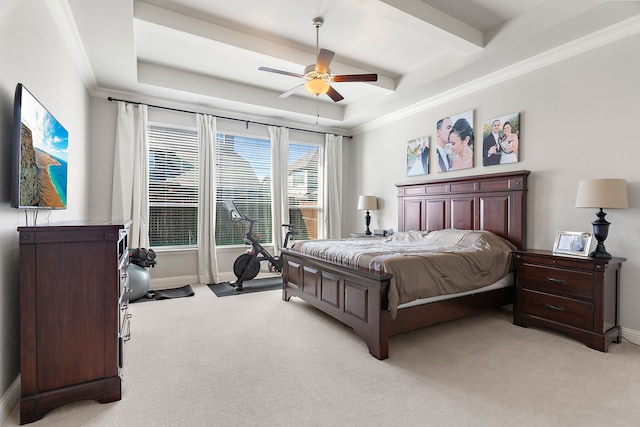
(43, 156)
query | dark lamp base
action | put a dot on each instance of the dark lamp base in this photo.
(600, 232)
(367, 222)
(603, 255)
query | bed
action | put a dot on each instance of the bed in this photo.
(359, 297)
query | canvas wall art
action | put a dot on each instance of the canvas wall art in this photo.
(455, 142)
(501, 140)
(418, 156)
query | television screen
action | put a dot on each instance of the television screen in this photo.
(40, 155)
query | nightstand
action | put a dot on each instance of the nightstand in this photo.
(362, 236)
(573, 295)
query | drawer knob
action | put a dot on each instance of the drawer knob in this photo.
(554, 280)
(554, 307)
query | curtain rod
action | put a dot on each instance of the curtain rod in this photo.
(220, 117)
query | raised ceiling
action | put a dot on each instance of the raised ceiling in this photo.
(207, 53)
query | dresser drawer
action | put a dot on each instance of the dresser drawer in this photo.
(559, 309)
(571, 283)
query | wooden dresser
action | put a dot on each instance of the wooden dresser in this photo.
(577, 296)
(73, 313)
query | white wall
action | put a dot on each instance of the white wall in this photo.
(33, 52)
(580, 118)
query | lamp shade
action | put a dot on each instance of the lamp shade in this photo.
(602, 193)
(369, 203)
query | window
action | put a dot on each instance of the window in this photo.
(173, 186)
(243, 174)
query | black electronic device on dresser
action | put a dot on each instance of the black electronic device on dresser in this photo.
(74, 320)
(574, 295)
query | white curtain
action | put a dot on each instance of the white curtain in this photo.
(130, 196)
(332, 178)
(279, 183)
(207, 261)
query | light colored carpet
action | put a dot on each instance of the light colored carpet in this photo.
(208, 361)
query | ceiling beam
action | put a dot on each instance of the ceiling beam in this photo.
(426, 19)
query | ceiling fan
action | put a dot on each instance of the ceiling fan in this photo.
(318, 76)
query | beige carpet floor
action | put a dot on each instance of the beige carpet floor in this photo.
(255, 360)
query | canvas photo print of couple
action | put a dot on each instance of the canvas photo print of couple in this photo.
(500, 140)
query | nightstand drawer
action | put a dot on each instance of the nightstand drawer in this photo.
(558, 281)
(559, 309)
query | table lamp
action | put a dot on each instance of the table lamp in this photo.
(368, 203)
(600, 194)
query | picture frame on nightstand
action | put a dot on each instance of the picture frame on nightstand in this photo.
(572, 243)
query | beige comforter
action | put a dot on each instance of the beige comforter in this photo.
(423, 264)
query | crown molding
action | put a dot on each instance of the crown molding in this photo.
(63, 18)
(576, 47)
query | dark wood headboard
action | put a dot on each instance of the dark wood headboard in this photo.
(493, 202)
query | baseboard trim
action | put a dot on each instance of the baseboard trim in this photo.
(9, 400)
(631, 335)
(172, 282)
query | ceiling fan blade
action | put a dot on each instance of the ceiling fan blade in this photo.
(286, 73)
(333, 94)
(291, 91)
(355, 78)
(324, 59)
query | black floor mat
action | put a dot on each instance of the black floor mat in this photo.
(226, 289)
(184, 291)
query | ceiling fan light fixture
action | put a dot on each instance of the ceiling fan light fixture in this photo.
(317, 86)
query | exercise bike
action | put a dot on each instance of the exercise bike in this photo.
(247, 265)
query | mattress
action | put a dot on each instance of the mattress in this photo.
(505, 282)
(423, 264)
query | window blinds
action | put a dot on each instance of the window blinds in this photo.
(173, 185)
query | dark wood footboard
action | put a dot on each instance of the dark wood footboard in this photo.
(354, 296)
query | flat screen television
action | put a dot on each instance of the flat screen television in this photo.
(40, 151)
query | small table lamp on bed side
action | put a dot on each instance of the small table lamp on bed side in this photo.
(368, 203)
(602, 193)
